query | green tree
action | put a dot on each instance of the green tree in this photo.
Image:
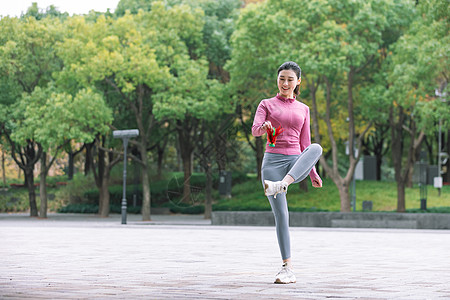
(207, 46)
(37, 13)
(117, 56)
(418, 65)
(348, 46)
(53, 119)
(254, 59)
(335, 43)
(27, 61)
(133, 6)
(137, 57)
(189, 101)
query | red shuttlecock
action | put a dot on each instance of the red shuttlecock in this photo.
(272, 135)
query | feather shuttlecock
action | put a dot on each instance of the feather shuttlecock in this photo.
(272, 135)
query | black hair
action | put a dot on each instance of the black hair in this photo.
(290, 65)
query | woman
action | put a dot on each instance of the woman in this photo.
(290, 159)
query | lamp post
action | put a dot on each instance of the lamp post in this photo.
(125, 135)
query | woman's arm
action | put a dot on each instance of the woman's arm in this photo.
(259, 122)
(305, 141)
(305, 134)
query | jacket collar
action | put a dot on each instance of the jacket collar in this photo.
(287, 100)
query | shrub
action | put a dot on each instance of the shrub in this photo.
(14, 200)
(88, 208)
(73, 192)
(81, 208)
(161, 191)
(442, 209)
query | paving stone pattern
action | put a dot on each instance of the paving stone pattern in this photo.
(185, 258)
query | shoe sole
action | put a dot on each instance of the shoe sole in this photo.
(280, 282)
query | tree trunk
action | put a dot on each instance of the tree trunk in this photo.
(344, 195)
(402, 172)
(415, 155)
(221, 151)
(401, 203)
(341, 183)
(259, 155)
(89, 147)
(187, 137)
(187, 176)
(71, 166)
(104, 204)
(313, 85)
(3, 170)
(446, 175)
(29, 182)
(146, 200)
(28, 158)
(208, 192)
(409, 180)
(43, 186)
(304, 185)
(397, 151)
(105, 197)
(379, 161)
(100, 180)
(160, 161)
(146, 195)
(179, 159)
(102, 175)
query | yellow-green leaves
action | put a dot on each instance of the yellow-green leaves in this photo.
(420, 65)
(51, 118)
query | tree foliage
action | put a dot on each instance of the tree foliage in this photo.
(417, 68)
(191, 68)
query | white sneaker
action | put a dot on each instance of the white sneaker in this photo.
(274, 187)
(285, 275)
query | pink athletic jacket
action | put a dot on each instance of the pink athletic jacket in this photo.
(293, 116)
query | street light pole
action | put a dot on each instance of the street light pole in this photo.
(125, 135)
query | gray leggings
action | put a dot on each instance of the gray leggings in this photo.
(274, 168)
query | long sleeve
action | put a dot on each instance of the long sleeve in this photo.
(305, 134)
(260, 118)
(305, 141)
(289, 114)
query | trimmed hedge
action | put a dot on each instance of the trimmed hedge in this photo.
(85, 208)
(441, 210)
(93, 209)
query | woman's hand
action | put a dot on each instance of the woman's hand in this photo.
(317, 183)
(266, 125)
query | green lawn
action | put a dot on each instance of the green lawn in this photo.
(250, 195)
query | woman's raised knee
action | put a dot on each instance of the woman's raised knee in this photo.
(316, 148)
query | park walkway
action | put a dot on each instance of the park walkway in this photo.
(184, 257)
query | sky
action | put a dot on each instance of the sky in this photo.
(14, 8)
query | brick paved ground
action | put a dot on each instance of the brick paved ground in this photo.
(183, 257)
